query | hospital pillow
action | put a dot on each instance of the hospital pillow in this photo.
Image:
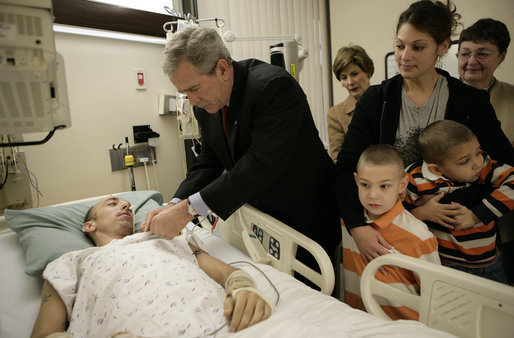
(48, 232)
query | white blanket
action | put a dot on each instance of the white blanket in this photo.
(301, 311)
(141, 284)
(127, 286)
(306, 313)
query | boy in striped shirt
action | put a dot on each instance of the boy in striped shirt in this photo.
(460, 192)
(381, 182)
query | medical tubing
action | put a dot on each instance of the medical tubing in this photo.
(269, 281)
(252, 265)
(245, 262)
(155, 176)
(262, 273)
(129, 162)
(152, 157)
(146, 174)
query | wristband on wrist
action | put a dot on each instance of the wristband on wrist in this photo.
(238, 279)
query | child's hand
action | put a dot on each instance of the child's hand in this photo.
(423, 199)
(444, 214)
(466, 220)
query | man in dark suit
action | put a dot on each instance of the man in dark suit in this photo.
(259, 143)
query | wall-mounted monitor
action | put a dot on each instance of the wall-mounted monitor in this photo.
(33, 95)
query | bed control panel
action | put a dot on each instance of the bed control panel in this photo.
(267, 241)
(254, 247)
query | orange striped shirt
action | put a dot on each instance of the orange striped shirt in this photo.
(407, 235)
(491, 196)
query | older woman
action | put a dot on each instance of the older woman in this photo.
(482, 48)
(353, 68)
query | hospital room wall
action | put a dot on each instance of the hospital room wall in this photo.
(104, 105)
(372, 24)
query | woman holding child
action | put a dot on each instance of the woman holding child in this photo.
(397, 110)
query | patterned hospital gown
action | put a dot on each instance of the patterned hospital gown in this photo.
(142, 284)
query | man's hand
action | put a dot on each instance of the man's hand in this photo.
(444, 214)
(466, 220)
(167, 222)
(247, 309)
(370, 243)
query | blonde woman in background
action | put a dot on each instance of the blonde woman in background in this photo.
(353, 68)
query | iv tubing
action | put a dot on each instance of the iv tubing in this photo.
(146, 173)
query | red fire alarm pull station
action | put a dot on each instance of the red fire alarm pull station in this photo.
(140, 77)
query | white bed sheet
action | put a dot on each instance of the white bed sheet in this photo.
(301, 311)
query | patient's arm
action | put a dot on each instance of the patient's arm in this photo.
(248, 308)
(52, 313)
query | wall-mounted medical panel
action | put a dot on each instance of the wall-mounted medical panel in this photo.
(139, 151)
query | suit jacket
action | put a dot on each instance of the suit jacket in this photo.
(273, 156)
(338, 120)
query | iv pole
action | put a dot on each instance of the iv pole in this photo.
(129, 162)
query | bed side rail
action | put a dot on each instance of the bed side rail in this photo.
(450, 300)
(269, 241)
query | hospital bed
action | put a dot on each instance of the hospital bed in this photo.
(300, 311)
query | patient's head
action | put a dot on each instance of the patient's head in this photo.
(380, 179)
(109, 219)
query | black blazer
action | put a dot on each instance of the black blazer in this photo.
(273, 156)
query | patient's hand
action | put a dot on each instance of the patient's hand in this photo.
(370, 243)
(145, 225)
(167, 222)
(430, 209)
(466, 220)
(247, 309)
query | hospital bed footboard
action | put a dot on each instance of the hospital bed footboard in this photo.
(450, 300)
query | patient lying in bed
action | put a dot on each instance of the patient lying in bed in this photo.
(142, 284)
